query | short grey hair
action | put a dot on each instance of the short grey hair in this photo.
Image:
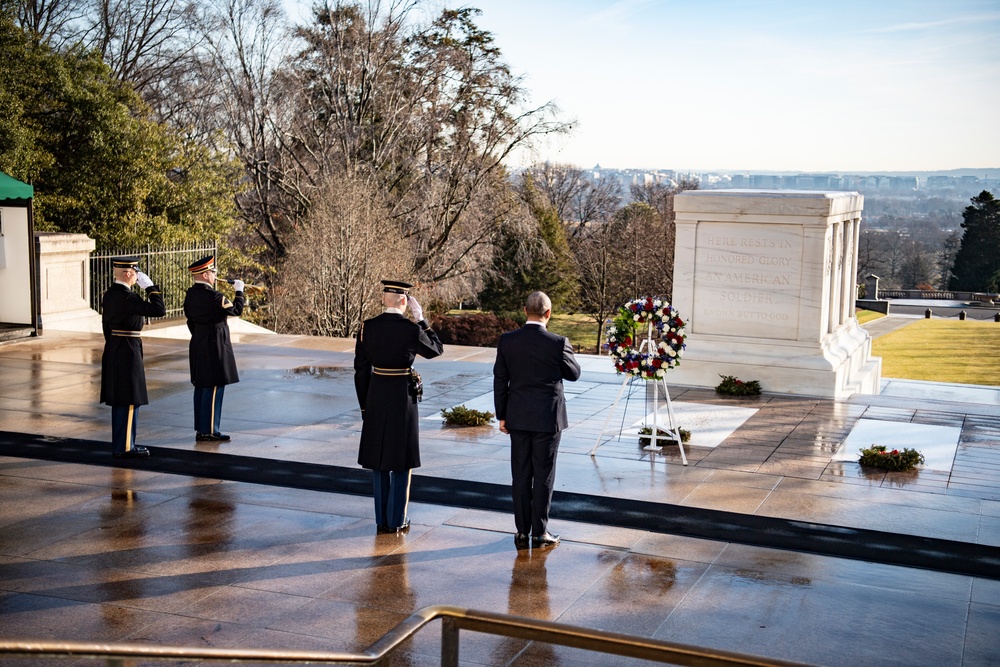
(537, 303)
(393, 300)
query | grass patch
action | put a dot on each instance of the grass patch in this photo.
(867, 315)
(942, 351)
(581, 329)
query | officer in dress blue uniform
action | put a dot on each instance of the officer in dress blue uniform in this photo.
(213, 364)
(390, 436)
(123, 376)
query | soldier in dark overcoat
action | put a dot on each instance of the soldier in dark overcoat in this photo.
(123, 376)
(390, 435)
(213, 364)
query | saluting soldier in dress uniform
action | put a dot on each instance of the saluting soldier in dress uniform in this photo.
(213, 364)
(390, 437)
(123, 377)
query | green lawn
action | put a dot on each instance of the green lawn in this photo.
(942, 351)
(579, 328)
(867, 315)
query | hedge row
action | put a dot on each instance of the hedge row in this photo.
(478, 330)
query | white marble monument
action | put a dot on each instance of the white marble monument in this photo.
(766, 282)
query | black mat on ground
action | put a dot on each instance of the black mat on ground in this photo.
(855, 543)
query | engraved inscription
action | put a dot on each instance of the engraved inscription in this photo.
(747, 279)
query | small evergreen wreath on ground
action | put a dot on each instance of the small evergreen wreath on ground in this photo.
(732, 386)
(629, 328)
(876, 456)
(463, 416)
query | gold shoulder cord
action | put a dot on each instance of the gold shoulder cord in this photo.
(361, 334)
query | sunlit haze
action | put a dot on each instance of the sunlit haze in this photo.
(891, 85)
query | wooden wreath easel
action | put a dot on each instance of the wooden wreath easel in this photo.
(673, 431)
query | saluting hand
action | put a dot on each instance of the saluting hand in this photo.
(143, 280)
(418, 312)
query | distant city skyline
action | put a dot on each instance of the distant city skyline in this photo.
(740, 85)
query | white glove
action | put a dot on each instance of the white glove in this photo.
(143, 280)
(418, 312)
(238, 285)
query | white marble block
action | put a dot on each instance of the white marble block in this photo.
(766, 281)
(64, 282)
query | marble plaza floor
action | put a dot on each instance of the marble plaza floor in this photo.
(105, 553)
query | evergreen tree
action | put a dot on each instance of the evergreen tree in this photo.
(978, 260)
(99, 165)
(525, 264)
(554, 271)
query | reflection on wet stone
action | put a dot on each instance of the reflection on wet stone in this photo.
(323, 372)
(653, 575)
(140, 556)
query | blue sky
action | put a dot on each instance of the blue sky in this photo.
(832, 85)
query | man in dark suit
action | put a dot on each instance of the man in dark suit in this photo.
(213, 364)
(528, 395)
(123, 376)
(390, 434)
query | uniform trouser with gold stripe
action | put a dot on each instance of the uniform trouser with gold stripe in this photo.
(208, 409)
(123, 423)
(392, 495)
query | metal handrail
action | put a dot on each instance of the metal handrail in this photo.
(454, 619)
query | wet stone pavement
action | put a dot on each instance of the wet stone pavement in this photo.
(105, 553)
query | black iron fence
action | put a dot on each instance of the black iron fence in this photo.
(167, 267)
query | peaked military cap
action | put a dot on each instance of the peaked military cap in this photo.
(125, 262)
(396, 286)
(202, 265)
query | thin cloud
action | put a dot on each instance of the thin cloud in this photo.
(618, 10)
(930, 25)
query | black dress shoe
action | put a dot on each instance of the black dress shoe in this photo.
(212, 437)
(136, 452)
(405, 528)
(544, 540)
(521, 541)
(384, 530)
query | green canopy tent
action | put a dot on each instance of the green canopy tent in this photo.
(13, 192)
(19, 313)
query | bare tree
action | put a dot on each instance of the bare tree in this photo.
(246, 45)
(561, 184)
(871, 254)
(917, 268)
(346, 246)
(649, 271)
(661, 195)
(603, 258)
(661, 232)
(57, 23)
(597, 202)
(143, 41)
(427, 113)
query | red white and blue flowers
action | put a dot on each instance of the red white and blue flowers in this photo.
(629, 329)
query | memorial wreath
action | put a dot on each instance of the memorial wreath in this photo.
(631, 326)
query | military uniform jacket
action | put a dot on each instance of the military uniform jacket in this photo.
(213, 363)
(123, 378)
(386, 346)
(528, 379)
